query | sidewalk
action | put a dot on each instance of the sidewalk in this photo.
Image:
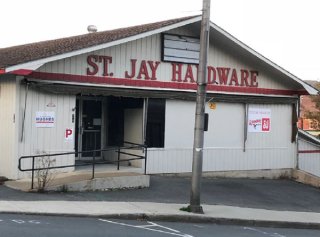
(276, 203)
(164, 211)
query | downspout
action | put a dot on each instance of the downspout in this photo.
(144, 127)
(24, 110)
(245, 126)
(145, 120)
(297, 140)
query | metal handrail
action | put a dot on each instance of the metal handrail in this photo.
(92, 163)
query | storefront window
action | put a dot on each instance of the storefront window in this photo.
(156, 123)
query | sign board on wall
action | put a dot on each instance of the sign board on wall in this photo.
(259, 120)
(212, 105)
(68, 136)
(178, 48)
(45, 119)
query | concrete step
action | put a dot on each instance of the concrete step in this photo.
(306, 178)
(82, 181)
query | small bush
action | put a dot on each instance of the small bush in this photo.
(45, 175)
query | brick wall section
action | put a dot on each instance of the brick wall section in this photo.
(306, 104)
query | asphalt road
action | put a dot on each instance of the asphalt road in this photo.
(50, 226)
(260, 193)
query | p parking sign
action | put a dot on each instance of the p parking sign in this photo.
(68, 136)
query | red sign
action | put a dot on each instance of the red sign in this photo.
(68, 134)
(147, 70)
(265, 124)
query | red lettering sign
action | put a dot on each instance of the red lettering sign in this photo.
(182, 73)
(144, 71)
(68, 134)
(265, 124)
(93, 61)
(176, 72)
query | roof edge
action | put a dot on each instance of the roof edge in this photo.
(308, 136)
(311, 90)
(33, 65)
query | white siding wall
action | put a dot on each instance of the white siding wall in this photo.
(7, 125)
(220, 57)
(224, 140)
(309, 162)
(143, 49)
(46, 140)
(149, 48)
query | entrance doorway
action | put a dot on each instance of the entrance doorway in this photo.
(89, 124)
(109, 122)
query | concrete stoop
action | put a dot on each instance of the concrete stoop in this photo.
(105, 184)
(83, 182)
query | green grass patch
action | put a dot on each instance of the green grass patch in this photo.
(187, 209)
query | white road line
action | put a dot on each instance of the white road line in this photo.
(176, 232)
(34, 222)
(199, 226)
(161, 226)
(143, 226)
(18, 221)
(262, 232)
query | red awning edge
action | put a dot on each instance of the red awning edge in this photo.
(22, 72)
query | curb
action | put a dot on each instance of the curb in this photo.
(183, 218)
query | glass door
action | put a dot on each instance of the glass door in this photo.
(89, 126)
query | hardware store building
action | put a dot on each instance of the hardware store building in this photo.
(138, 84)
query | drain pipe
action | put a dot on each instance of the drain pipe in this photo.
(24, 109)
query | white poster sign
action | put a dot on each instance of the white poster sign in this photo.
(45, 119)
(259, 120)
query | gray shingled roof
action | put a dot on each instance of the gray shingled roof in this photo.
(34, 51)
